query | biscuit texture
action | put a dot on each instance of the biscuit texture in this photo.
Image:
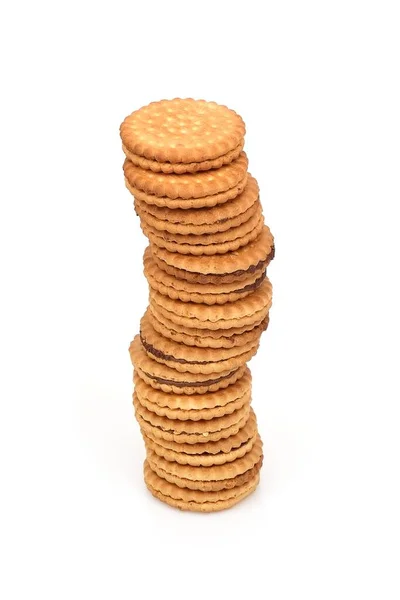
(209, 239)
(202, 293)
(239, 276)
(179, 168)
(248, 311)
(183, 403)
(191, 359)
(203, 220)
(186, 204)
(182, 131)
(209, 338)
(194, 415)
(187, 185)
(213, 478)
(222, 472)
(200, 460)
(223, 445)
(197, 246)
(156, 432)
(203, 427)
(243, 259)
(209, 301)
(213, 502)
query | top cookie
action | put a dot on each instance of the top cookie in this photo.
(182, 131)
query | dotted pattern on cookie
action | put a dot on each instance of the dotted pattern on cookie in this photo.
(182, 131)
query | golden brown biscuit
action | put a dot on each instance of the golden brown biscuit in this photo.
(202, 427)
(187, 204)
(247, 311)
(223, 445)
(213, 478)
(202, 293)
(187, 244)
(200, 460)
(194, 415)
(188, 185)
(224, 225)
(197, 501)
(239, 276)
(169, 380)
(242, 261)
(192, 359)
(208, 338)
(188, 323)
(156, 432)
(206, 239)
(179, 168)
(190, 406)
(221, 217)
(182, 131)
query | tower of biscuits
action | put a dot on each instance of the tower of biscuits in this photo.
(209, 301)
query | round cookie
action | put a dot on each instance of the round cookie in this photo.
(187, 204)
(155, 343)
(223, 427)
(192, 359)
(182, 131)
(196, 501)
(208, 338)
(244, 260)
(188, 185)
(247, 311)
(209, 239)
(202, 427)
(200, 460)
(169, 380)
(244, 234)
(179, 168)
(223, 445)
(212, 478)
(203, 220)
(189, 407)
(179, 289)
(187, 228)
(239, 276)
(194, 415)
(189, 323)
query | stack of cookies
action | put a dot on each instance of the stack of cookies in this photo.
(208, 305)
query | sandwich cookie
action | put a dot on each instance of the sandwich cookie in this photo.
(194, 500)
(182, 134)
(192, 359)
(247, 311)
(209, 338)
(201, 293)
(220, 268)
(221, 446)
(206, 244)
(213, 478)
(169, 380)
(190, 432)
(199, 221)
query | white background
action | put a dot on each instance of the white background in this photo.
(318, 86)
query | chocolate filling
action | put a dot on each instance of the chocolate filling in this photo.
(258, 266)
(159, 354)
(252, 286)
(252, 269)
(189, 383)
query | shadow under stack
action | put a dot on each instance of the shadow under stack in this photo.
(209, 301)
